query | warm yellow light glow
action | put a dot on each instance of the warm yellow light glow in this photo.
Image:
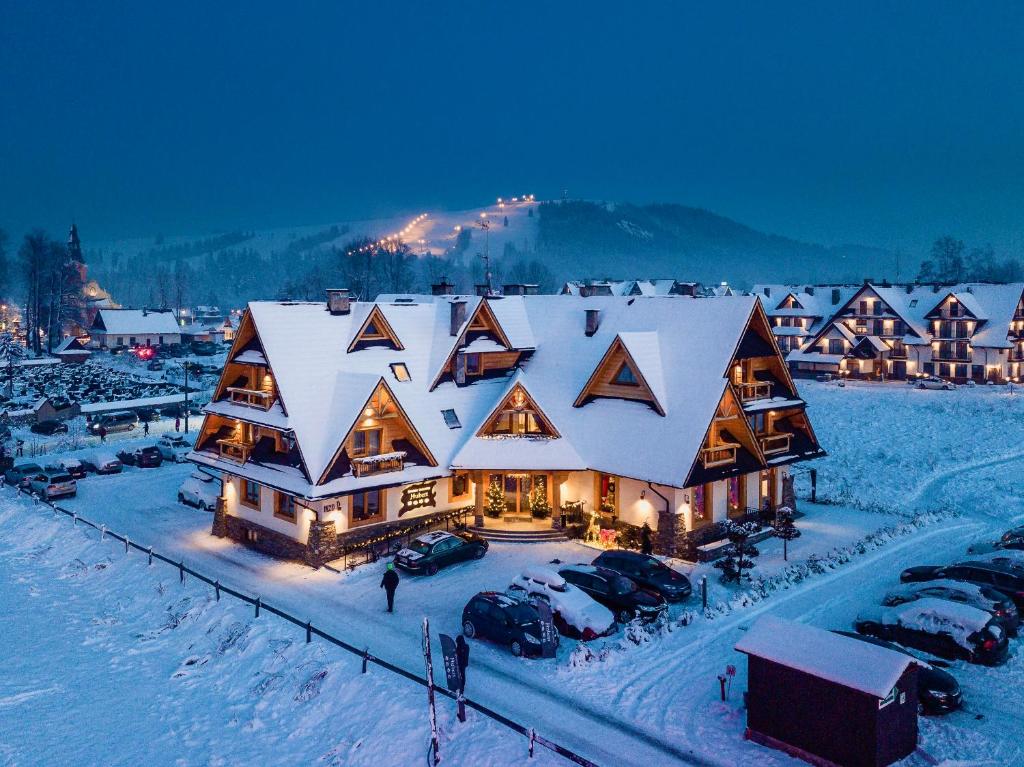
(368, 412)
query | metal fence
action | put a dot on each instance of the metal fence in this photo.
(311, 631)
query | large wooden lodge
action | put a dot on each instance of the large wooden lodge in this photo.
(333, 419)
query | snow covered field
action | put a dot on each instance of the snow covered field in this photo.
(913, 476)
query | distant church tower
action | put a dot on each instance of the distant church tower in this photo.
(75, 246)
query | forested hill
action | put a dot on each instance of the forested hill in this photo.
(624, 240)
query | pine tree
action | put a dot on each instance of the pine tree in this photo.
(785, 529)
(539, 506)
(494, 500)
(11, 352)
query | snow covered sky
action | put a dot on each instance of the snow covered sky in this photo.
(884, 124)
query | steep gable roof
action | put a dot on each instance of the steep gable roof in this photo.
(375, 329)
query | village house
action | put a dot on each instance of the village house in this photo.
(798, 312)
(335, 420)
(585, 288)
(114, 328)
(964, 332)
(72, 351)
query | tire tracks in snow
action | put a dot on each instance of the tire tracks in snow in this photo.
(952, 472)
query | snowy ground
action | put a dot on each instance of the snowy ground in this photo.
(896, 455)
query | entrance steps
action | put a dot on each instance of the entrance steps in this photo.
(519, 536)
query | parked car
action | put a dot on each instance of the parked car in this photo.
(70, 466)
(147, 414)
(49, 427)
(647, 571)
(495, 616)
(200, 490)
(204, 348)
(178, 411)
(118, 420)
(1008, 580)
(18, 475)
(618, 593)
(938, 692)
(102, 463)
(173, 448)
(1012, 540)
(155, 365)
(575, 614)
(52, 484)
(144, 457)
(1000, 606)
(937, 627)
(431, 551)
(934, 382)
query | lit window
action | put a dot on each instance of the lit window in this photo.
(451, 419)
(401, 371)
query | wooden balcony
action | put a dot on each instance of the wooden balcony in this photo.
(750, 391)
(719, 455)
(378, 464)
(251, 397)
(775, 443)
(235, 449)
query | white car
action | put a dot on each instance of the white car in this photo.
(575, 613)
(934, 382)
(173, 448)
(200, 490)
(52, 484)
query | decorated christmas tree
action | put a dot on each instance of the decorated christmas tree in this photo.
(539, 506)
(494, 500)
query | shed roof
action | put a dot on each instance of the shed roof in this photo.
(848, 662)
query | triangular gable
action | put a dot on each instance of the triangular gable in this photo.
(796, 302)
(246, 339)
(375, 330)
(758, 323)
(517, 403)
(482, 320)
(729, 412)
(610, 379)
(381, 405)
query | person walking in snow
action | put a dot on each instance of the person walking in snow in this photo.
(145, 428)
(462, 659)
(177, 424)
(390, 583)
(103, 434)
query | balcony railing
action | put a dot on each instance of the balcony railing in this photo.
(235, 449)
(755, 390)
(378, 464)
(950, 357)
(720, 455)
(251, 397)
(775, 443)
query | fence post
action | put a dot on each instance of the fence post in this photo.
(126, 544)
(704, 592)
(533, 738)
(257, 607)
(74, 519)
(103, 532)
(309, 631)
(216, 588)
(181, 571)
(150, 556)
(366, 658)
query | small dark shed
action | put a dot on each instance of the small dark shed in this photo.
(826, 698)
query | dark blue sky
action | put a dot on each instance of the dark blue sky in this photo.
(885, 124)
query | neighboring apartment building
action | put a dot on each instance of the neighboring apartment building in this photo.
(798, 312)
(964, 332)
(333, 419)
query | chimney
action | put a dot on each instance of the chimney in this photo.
(767, 292)
(593, 320)
(483, 289)
(443, 288)
(835, 296)
(810, 290)
(458, 317)
(338, 301)
(910, 289)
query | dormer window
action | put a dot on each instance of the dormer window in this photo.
(519, 416)
(400, 371)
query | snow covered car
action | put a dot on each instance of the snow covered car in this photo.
(575, 614)
(649, 572)
(1008, 580)
(937, 627)
(49, 428)
(510, 622)
(1000, 606)
(70, 466)
(200, 490)
(618, 593)
(938, 692)
(173, 448)
(934, 382)
(102, 463)
(144, 457)
(431, 551)
(1012, 539)
(18, 475)
(52, 484)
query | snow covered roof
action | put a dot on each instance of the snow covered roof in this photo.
(859, 665)
(134, 321)
(682, 346)
(71, 345)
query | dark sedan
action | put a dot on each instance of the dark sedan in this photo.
(144, 458)
(430, 552)
(49, 427)
(494, 616)
(1003, 578)
(938, 692)
(618, 593)
(647, 571)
